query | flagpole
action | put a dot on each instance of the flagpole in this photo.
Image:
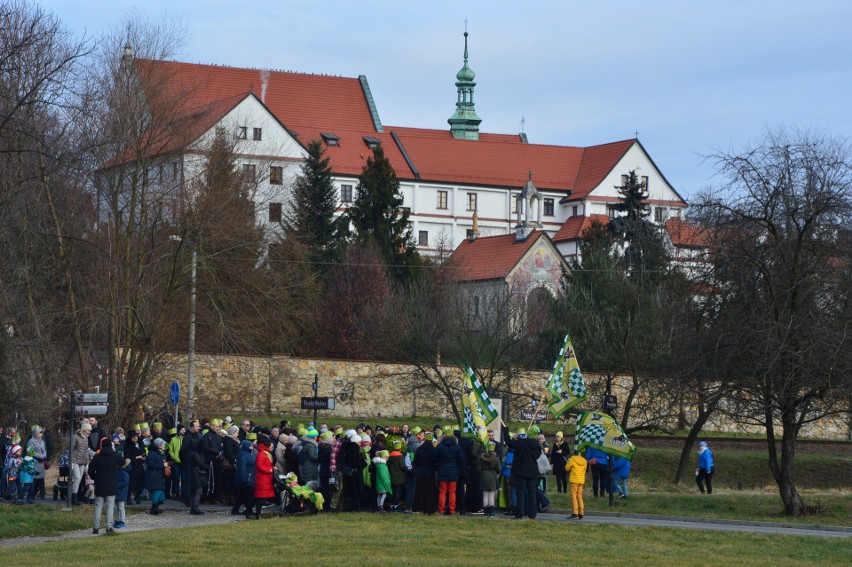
(535, 412)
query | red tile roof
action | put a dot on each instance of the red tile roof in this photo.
(310, 104)
(574, 227)
(685, 234)
(488, 258)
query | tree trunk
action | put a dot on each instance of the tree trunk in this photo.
(782, 471)
(689, 443)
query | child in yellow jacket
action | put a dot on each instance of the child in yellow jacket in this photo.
(576, 468)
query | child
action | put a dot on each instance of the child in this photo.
(383, 482)
(398, 473)
(155, 475)
(26, 476)
(10, 470)
(123, 487)
(576, 469)
(490, 468)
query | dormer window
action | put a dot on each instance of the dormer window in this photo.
(330, 139)
(372, 142)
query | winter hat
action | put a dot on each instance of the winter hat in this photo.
(31, 451)
(37, 429)
(232, 430)
(85, 426)
(251, 436)
(326, 436)
(416, 430)
(366, 439)
(338, 431)
(559, 435)
(116, 438)
(355, 439)
(263, 440)
(703, 444)
(349, 433)
(312, 433)
(216, 422)
(159, 443)
(362, 426)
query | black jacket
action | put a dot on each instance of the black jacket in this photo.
(211, 442)
(104, 471)
(425, 460)
(526, 451)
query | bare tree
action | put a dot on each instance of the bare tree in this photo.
(784, 261)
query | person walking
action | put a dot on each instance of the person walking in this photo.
(155, 475)
(36, 443)
(79, 457)
(620, 474)
(706, 468)
(104, 471)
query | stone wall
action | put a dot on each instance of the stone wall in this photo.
(274, 385)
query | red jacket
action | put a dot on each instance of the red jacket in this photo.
(263, 473)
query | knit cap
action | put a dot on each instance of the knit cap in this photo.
(85, 426)
(312, 433)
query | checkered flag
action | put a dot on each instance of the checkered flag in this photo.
(468, 424)
(566, 386)
(576, 384)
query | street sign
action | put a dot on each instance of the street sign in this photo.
(81, 398)
(96, 409)
(174, 393)
(609, 401)
(527, 414)
(318, 403)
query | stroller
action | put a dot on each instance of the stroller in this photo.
(297, 499)
(60, 489)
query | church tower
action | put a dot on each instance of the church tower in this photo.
(464, 123)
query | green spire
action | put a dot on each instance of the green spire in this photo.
(464, 123)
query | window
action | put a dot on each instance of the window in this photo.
(659, 214)
(442, 199)
(330, 139)
(574, 210)
(174, 171)
(276, 175)
(624, 179)
(242, 131)
(249, 171)
(514, 200)
(274, 212)
(345, 193)
(257, 134)
(476, 305)
(468, 233)
(423, 238)
(610, 212)
(645, 182)
(372, 142)
(471, 201)
(548, 207)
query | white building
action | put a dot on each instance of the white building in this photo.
(445, 174)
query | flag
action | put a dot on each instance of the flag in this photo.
(600, 431)
(566, 385)
(478, 409)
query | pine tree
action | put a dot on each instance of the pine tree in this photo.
(311, 216)
(377, 214)
(644, 253)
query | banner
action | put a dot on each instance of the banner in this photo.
(478, 409)
(599, 431)
(566, 385)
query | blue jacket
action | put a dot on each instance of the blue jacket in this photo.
(155, 464)
(620, 467)
(450, 459)
(26, 473)
(245, 464)
(596, 454)
(705, 460)
(123, 478)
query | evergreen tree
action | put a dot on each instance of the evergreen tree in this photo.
(644, 253)
(377, 214)
(311, 216)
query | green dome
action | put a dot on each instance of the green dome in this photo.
(466, 74)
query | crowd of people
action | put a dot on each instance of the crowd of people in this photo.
(382, 469)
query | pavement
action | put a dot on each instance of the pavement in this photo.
(176, 515)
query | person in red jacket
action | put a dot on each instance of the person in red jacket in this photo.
(263, 488)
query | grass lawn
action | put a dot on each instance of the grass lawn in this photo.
(365, 539)
(42, 519)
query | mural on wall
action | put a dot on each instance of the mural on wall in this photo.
(540, 266)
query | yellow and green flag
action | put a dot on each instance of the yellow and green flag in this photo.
(566, 385)
(600, 431)
(478, 409)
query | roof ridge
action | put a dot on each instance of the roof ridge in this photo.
(214, 66)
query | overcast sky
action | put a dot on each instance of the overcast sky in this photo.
(690, 77)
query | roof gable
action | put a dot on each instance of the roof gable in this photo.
(574, 227)
(489, 257)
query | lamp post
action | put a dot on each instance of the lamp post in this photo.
(190, 357)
